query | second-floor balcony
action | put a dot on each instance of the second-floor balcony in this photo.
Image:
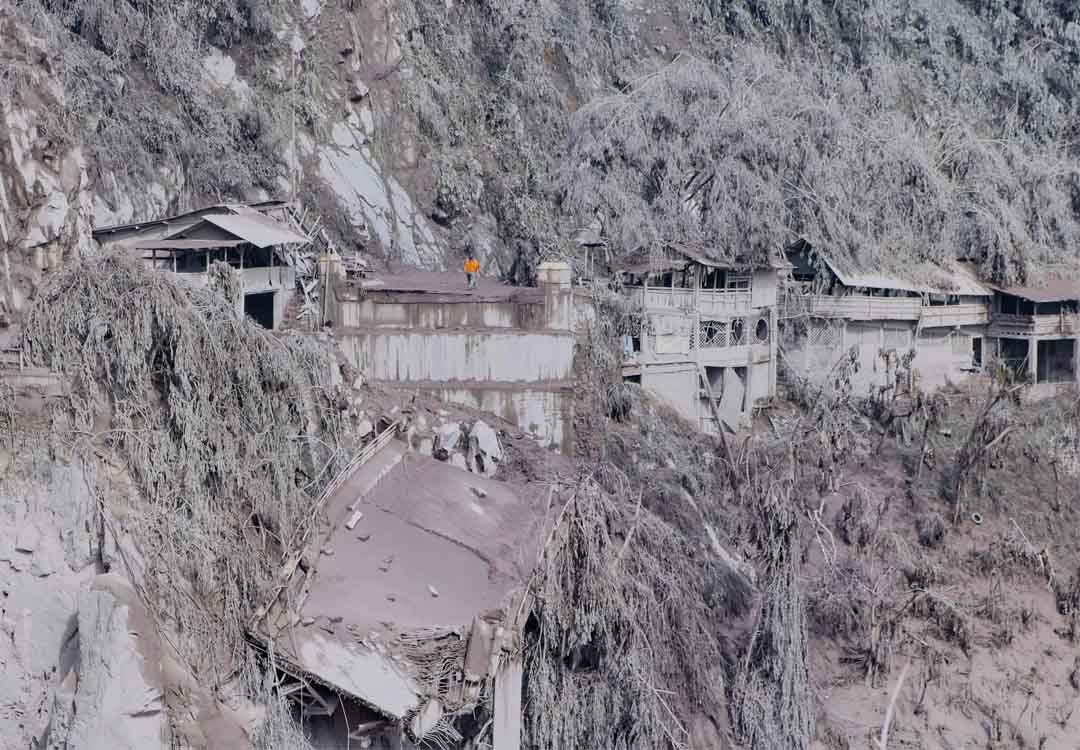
(950, 316)
(1054, 324)
(858, 307)
(711, 302)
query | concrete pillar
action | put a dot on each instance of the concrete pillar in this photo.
(774, 348)
(555, 279)
(1033, 359)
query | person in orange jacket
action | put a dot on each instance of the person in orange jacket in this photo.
(472, 267)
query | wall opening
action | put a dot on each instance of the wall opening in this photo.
(1014, 356)
(1056, 361)
(260, 308)
(976, 352)
(761, 331)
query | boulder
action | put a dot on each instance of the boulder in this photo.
(119, 704)
(449, 435)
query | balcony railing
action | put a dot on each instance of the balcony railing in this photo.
(1059, 324)
(863, 308)
(254, 279)
(707, 301)
(948, 316)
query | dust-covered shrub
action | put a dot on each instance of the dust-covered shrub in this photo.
(227, 433)
(931, 529)
(135, 89)
(619, 651)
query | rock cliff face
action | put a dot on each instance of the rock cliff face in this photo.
(330, 155)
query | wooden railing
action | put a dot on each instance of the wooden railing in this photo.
(12, 357)
(705, 301)
(1059, 324)
(948, 316)
(863, 308)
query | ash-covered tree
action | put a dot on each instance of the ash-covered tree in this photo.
(736, 159)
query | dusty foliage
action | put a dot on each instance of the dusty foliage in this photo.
(134, 87)
(772, 702)
(227, 432)
(620, 651)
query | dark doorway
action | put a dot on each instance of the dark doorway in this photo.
(1014, 356)
(1055, 363)
(976, 352)
(260, 308)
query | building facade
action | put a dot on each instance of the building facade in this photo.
(707, 346)
(501, 349)
(255, 239)
(954, 324)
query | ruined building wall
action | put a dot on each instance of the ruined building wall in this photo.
(511, 358)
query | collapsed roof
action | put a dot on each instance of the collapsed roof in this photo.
(923, 277)
(410, 601)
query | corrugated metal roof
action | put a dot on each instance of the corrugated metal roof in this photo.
(191, 216)
(167, 244)
(927, 278)
(1058, 290)
(257, 229)
(959, 279)
(854, 278)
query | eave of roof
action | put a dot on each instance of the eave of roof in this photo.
(1058, 290)
(190, 215)
(257, 229)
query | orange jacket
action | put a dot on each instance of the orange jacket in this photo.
(472, 266)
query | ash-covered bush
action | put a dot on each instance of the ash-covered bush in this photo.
(227, 433)
(135, 93)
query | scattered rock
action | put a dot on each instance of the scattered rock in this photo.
(336, 619)
(354, 519)
(307, 622)
(433, 591)
(359, 91)
(449, 435)
(363, 537)
(391, 597)
(328, 551)
(479, 492)
(458, 460)
(365, 428)
(27, 538)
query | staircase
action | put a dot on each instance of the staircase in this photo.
(303, 312)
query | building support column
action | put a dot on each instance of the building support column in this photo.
(1033, 359)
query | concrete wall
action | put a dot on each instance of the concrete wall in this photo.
(511, 357)
(379, 313)
(545, 309)
(942, 356)
(459, 356)
(545, 413)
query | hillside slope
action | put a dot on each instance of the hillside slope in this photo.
(883, 131)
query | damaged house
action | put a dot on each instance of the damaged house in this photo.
(953, 323)
(400, 625)
(256, 239)
(707, 344)
(497, 348)
(1034, 331)
(830, 308)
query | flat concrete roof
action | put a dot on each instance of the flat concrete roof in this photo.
(447, 285)
(431, 547)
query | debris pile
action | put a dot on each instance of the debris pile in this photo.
(469, 445)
